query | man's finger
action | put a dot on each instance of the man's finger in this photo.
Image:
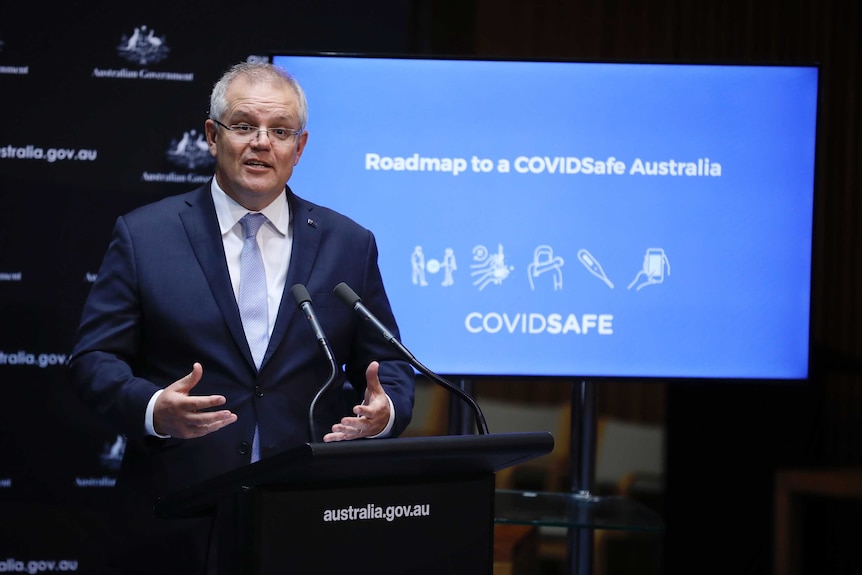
(187, 383)
(334, 436)
(210, 418)
(347, 431)
(374, 387)
(373, 391)
(371, 373)
(202, 402)
(193, 425)
(220, 419)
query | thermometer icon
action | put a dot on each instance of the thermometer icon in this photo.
(593, 265)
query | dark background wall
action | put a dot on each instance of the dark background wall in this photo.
(725, 441)
(56, 465)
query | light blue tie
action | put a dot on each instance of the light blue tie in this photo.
(253, 306)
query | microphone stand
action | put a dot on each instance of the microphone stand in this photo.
(303, 301)
(481, 424)
(333, 371)
(349, 297)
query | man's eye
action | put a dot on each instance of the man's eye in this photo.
(280, 132)
(244, 128)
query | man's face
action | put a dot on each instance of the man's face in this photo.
(254, 171)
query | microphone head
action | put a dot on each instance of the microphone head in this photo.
(300, 294)
(346, 294)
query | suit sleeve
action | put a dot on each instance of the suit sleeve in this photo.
(108, 341)
(396, 375)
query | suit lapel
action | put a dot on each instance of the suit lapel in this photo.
(201, 224)
(306, 241)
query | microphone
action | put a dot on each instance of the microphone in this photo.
(349, 297)
(303, 300)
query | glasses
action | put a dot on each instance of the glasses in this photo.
(247, 133)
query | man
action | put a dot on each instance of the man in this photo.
(171, 351)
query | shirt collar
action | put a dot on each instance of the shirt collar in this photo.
(229, 212)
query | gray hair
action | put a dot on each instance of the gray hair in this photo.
(255, 72)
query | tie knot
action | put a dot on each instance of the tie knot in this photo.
(251, 224)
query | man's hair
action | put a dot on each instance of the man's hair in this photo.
(255, 72)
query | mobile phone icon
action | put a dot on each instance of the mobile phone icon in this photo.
(653, 272)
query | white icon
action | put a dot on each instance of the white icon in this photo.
(199, 143)
(191, 151)
(112, 455)
(593, 265)
(183, 144)
(432, 266)
(654, 265)
(448, 266)
(491, 268)
(143, 47)
(153, 41)
(543, 262)
(133, 41)
(417, 261)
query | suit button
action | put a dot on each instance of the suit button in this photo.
(244, 447)
(258, 390)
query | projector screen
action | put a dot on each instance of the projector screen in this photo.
(576, 219)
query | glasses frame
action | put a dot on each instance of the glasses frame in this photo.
(258, 130)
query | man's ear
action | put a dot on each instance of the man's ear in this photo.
(212, 132)
(300, 147)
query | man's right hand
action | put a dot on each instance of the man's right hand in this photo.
(178, 414)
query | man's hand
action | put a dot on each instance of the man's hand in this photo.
(179, 414)
(372, 415)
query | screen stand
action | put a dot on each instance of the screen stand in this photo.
(582, 461)
(582, 466)
(578, 508)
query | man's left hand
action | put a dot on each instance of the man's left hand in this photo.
(372, 415)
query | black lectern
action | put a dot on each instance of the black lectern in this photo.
(392, 506)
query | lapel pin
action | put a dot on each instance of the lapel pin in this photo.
(312, 223)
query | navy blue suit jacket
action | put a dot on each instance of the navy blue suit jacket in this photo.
(163, 300)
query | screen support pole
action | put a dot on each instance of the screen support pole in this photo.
(582, 472)
(462, 421)
(582, 461)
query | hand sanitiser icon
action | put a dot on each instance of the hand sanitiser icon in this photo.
(593, 265)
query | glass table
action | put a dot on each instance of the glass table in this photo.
(579, 513)
(573, 510)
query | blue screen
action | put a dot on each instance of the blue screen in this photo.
(576, 219)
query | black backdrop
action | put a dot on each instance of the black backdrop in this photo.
(724, 442)
(75, 78)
